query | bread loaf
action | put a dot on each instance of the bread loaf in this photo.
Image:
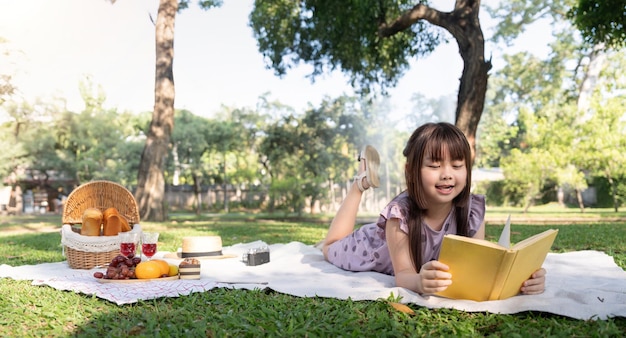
(108, 212)
(125, 225)
(114, 223)
(92, 222)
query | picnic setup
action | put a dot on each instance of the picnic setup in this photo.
(585, 285)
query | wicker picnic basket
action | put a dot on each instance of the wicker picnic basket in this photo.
(86, 252)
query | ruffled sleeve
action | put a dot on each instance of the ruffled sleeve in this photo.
(476, 213)
(397, 208)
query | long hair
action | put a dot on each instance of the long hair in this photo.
(434, 140)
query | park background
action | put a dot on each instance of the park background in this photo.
(246, 139)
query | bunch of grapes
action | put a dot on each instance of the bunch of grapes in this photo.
(121, 267)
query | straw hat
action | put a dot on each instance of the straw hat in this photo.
(202, 247)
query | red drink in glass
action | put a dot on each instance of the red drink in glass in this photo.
(127, 249)
(128, 243)
(149, 249)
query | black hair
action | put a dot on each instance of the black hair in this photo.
(434, 140)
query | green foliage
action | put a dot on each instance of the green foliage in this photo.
(600, 21)
(604, 191)
(99, 147)
(289, 193)
(189, 143)
(515, 15)
(602, 139)
(494, 192)
(551, 138)
(340, 35)
(527, 173)
(496, 139)
(97, 143)
(305, 153)
(204, 4)
(25, 124)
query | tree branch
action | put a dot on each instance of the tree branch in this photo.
(408, 18)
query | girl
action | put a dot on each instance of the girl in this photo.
(405, 242)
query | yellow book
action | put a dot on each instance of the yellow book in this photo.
(482, 270)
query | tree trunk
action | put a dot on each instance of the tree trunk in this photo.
(150, 191)
(613, 185)
(197, 192)
(579, 199)
(464, 25)
(226, 207)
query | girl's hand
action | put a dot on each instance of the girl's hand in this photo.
(434, 277)
(536, 284)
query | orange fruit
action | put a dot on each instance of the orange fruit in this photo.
(147, 270)
(165, 266)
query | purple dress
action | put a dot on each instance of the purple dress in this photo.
(366, 248)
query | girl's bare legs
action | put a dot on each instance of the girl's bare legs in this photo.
(343, 223)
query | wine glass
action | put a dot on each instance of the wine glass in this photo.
(149, 243)
(128, 243)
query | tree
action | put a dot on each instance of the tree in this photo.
(515, 15)
(225, 138)
(150, 180)
(601, 21)
(150, 190)
(304, 153)
(188, 145)
(602, 138)
(22, 132)
(240, 162)
(6, 86)
(373, 41)
(551, 88)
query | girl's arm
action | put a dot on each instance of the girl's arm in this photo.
(480, 234)
(433, 276)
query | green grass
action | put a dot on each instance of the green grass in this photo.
(37, 311)
(552, 211)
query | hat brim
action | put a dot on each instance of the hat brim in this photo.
(179, 255)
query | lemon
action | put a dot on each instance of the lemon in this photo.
(165, 266)
(173, 270)
(147, 270)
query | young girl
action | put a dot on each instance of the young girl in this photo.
(406, 240)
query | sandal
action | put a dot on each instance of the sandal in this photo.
(372, 162)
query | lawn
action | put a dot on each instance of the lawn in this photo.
(43, 311)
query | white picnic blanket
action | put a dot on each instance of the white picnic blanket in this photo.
(582, 284)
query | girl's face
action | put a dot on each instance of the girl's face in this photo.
(442, 180)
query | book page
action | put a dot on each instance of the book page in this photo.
(505, 236)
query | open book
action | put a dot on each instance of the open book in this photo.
(482, 270)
